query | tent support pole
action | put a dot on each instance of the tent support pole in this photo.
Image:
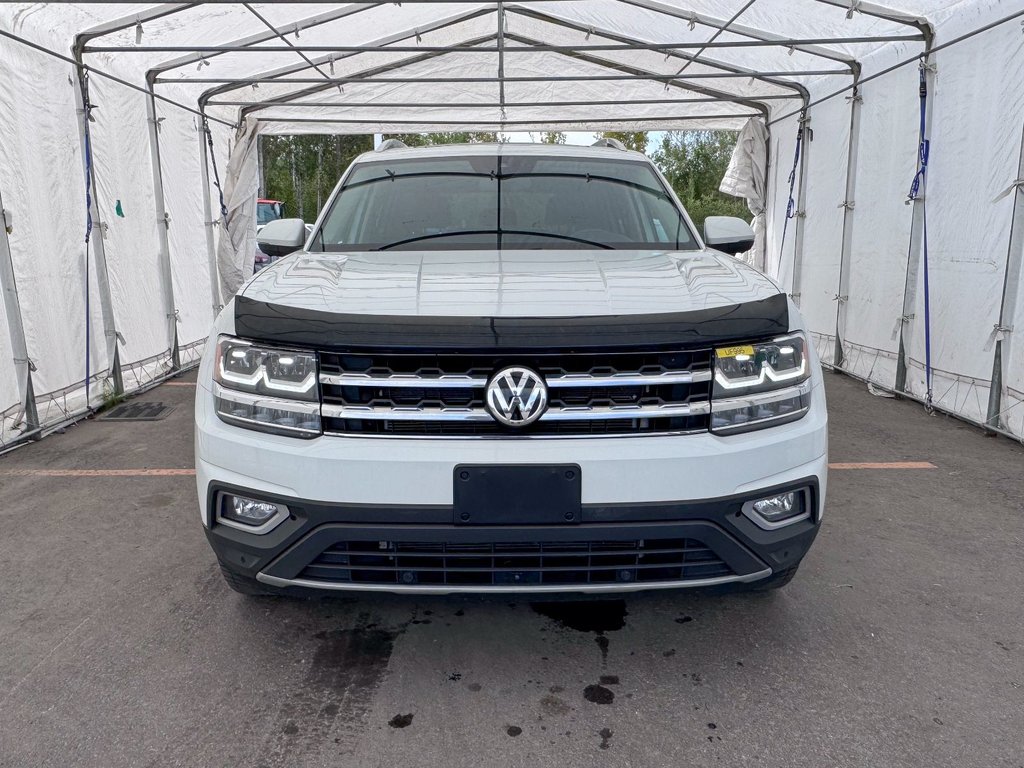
(501, 59)
(843, 294)
(1008, 307)
(163, 223)
(19, 346)
(209, 222)
(916, 249)
(99, 250)
(801, 212)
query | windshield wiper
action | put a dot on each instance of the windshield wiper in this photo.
(589, 177)
(392, 176)
(465, 232)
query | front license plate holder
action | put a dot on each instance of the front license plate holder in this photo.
(519, 494)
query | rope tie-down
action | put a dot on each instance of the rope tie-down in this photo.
(791, 203)
(216, 173)
(915, 195)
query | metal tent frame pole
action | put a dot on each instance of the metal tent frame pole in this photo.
(96, 241)
(849, 202)
(278, 73)
(804, 121)
(915, 250)
(127, 22)
(882, 12)
(23, 364)
(163, 224)
(626, 72)
(670, 81)
(736, 71)
(496, 104)
(812, 47)
(1003, 330)
(210, 222)
(497, 123)
(353, 80)
(797, 44)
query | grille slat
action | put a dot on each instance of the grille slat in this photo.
(618, 393)
(563, 563)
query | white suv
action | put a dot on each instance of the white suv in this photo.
(508, 368)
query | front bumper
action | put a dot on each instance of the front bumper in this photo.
(614, 548)
(346, 494)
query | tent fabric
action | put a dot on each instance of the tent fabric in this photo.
(87, 322)
(236, 246)
(746, 177)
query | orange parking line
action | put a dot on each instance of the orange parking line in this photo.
(97, 472)
(882, 465)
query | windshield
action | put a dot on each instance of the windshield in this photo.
(512, 202)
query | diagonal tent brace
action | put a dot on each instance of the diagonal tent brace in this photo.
(811, 48)
(282, 38)
(282, 74)
(624, 72)
(251, 42)
(779, 79)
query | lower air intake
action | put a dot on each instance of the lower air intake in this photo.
(563, 563)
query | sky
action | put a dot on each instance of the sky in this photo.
(582, 138)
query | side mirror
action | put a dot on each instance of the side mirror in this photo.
(281, 237)
(728, 234)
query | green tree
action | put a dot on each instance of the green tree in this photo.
(302, 171)
(694, 163)
(635, 140)
(432, 139)
(552, 137)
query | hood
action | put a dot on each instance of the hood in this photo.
(536, 283)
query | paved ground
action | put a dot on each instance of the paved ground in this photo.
(900, 643)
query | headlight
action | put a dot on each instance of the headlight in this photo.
(760, 385)
(266, 388)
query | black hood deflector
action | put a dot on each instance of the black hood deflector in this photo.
(297, 327)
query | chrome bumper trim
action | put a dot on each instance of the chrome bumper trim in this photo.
(582, 413)
(414, 381)
(441, 589)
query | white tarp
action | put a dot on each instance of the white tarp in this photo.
(155, 272)
(746, 177)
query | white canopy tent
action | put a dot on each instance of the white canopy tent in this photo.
(128, 165)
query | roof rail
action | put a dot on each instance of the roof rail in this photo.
(611, 143)
(392, 144)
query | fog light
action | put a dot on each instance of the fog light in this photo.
(776, 508)
(250, 515)
(780, 509)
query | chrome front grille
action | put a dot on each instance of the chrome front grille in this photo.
(443, 395)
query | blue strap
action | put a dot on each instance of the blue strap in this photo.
(87, 151)
(791, 204)
(216, 174)
(86, 111)
(923, 151)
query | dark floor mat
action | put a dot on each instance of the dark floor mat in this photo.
(152, 411)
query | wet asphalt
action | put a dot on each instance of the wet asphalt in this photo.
(899, 643)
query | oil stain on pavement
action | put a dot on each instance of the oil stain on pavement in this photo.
(594, 616)
(347, 667)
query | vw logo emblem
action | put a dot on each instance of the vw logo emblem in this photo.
(516, 396)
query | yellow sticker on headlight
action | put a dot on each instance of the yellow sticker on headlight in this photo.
(746, 349)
